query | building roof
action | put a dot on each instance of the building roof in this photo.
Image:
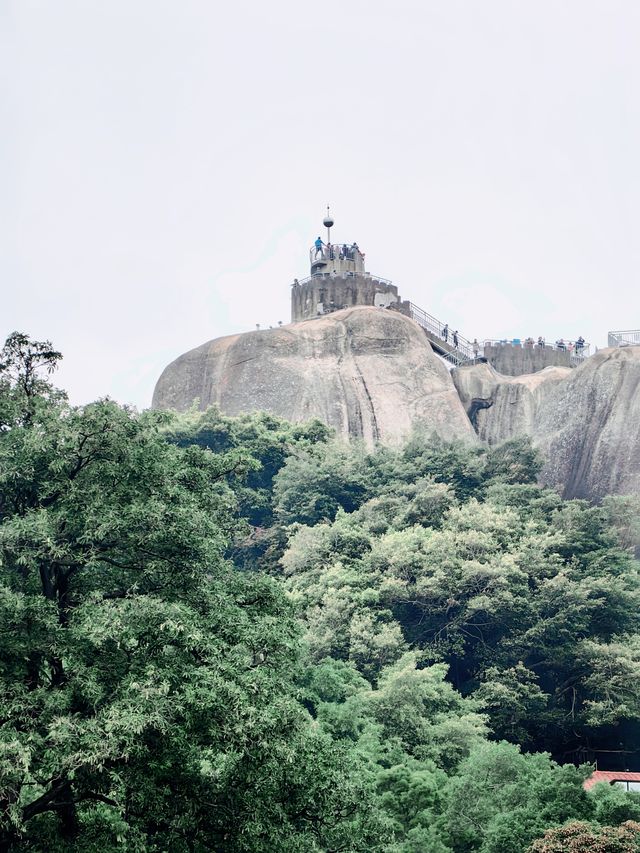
(610, 776)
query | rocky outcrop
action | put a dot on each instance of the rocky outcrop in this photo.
(588, 428)
(371, 373)
(368, 372)
(501, 407)
(585, 421)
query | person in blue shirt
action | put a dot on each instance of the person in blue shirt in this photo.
(318, 245)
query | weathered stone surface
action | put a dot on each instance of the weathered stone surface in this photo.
(501, 407)
(588, 427)
(368, 372)
(585, 421)
(324, 294)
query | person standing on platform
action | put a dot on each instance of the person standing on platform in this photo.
(455, 339)
(445, 333)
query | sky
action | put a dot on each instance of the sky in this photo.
(165, 166)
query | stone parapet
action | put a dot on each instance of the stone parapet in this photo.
(513, 360)
(323, 294)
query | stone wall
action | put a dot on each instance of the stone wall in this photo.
(322, 294)
(513, 360)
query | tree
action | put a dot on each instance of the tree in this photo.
(511, 698)
(514, 461)
(579, 837)
(266, 439)
(314, 484)
(22, 387)
(529, 599)
(501, 799)
(146, 686)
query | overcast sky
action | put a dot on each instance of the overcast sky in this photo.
(165, 166)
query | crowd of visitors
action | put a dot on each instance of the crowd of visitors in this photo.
(565, 346)
(577, 346)
(331, 251)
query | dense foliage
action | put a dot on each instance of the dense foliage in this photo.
(239, 634)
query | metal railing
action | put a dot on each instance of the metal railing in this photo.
(317, 275)
(457, 350)
(578, 350)
(627, 338)
(335, 252)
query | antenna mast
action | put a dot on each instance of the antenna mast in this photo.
(328, 222)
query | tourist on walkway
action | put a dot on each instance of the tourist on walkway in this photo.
(455, 339)
(445, 332)
(318, 245)
(541, 341)
(476, 347)
(580, 344)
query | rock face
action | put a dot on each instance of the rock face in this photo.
(585, 421)
(502, 407)
(367, 372)
(589, 427)
(371, 373)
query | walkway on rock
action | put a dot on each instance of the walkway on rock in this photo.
(465, 352)
(434, 331)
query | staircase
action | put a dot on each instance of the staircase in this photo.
(433, 329)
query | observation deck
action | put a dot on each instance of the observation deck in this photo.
(629, 338)
(337, 258)
(338, 280)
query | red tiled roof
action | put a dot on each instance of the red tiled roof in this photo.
(610, 776)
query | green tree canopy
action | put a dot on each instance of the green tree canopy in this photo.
(146, 687)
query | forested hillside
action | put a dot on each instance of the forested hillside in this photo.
(227, 634)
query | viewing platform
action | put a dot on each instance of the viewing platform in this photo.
(516, 356)
(338, 280)
(336, 258)
(624, 339)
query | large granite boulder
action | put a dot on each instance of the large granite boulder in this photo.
(588, 428)
(585, 421)
(367, 372)
(502, 407)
